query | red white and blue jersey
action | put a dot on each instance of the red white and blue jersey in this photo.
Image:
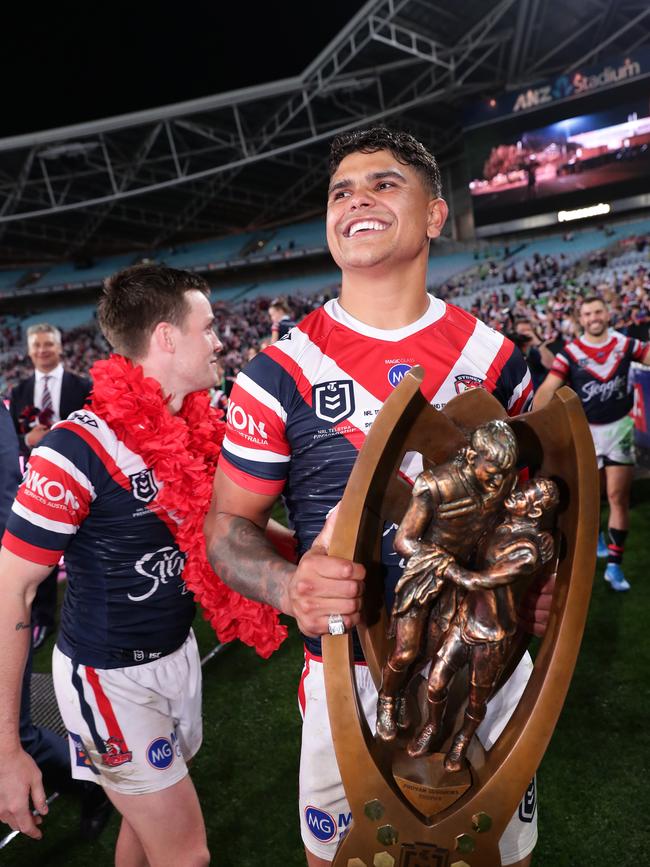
(86, 494)
(300, 411)
(600, 374)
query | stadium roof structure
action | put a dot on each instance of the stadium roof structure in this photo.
(256, 157)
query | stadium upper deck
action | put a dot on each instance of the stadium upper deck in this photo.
(255, 158)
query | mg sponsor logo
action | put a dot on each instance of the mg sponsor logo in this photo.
(160, 754)
(397, 373)
(160, 566)
(321, 824)
(242, 421)
(49, 489)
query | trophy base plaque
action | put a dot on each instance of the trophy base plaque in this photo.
(427, 785)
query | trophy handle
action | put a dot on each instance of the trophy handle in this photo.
(555, 442)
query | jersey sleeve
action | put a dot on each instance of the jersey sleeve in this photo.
(53, 499)
(560, 367)
(514, 388)
(639, 349)
(255, 453)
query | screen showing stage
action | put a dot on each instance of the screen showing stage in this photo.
(517, 171)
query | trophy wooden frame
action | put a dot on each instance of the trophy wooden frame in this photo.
(387, 829)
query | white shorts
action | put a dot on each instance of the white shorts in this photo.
(132, 729)
(614, 442)
(324, 812)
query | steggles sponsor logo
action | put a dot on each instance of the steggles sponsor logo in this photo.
(161, 566)
(49, 491)
(604, 390)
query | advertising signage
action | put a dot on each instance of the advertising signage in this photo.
(569, 86)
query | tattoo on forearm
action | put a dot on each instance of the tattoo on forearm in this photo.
(240, 554)
(20, 625)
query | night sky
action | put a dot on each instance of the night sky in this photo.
(66, 62)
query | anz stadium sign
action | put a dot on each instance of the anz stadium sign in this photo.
(569, 86)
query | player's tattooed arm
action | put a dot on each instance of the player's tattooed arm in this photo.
(245, 560)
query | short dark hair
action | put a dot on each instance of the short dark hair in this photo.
(521, 341)
(591, 299)
(138, 298)
(406, 150)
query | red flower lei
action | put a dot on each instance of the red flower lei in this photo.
(182, 450)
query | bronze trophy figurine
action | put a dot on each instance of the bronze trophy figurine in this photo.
(422, 788)
(451, 507)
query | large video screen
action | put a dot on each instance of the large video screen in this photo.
(516, 172)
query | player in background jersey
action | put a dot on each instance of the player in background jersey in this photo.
(126, 667)
(299, 413)
(597, 367)
(281, 321)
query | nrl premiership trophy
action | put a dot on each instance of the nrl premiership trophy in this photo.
(475, 539)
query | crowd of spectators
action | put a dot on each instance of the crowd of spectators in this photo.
(551, 304)
(538, 313)
(243, 328)
(10, 334)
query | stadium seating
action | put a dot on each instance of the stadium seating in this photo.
(68, 275)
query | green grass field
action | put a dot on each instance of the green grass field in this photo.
(591, 782)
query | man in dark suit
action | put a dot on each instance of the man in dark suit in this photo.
(62, 392)
(50, 386)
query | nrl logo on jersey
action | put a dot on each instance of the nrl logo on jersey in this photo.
(465, 381)
(528, 803)
(334, 401)
(143, 486)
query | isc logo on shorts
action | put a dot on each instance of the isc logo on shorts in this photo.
(321, 824)
(160, 754)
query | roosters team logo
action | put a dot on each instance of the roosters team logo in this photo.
(116, 753)
(465, 381)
